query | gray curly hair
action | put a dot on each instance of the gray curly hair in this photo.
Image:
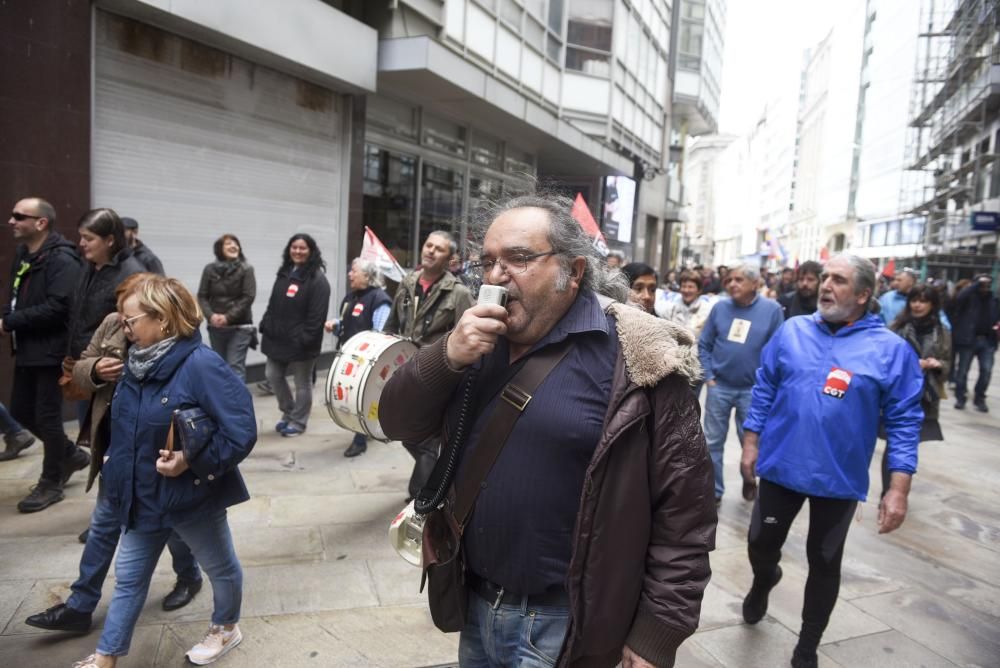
(567, 239)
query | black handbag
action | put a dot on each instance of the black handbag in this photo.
(443, 560)
(193, 428)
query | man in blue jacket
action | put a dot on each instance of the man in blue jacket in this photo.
(729, 349)
(824, 381)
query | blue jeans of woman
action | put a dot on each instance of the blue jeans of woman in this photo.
(99, 552)
(210, 540)
(508, 636)
(8, 425)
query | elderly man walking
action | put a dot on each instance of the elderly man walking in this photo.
(729, 347)
(824, 383)
(588, 538)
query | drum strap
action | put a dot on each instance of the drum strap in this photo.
(514, 398)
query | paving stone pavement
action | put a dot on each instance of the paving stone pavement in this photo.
(323, 588)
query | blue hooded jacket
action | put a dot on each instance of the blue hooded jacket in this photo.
(818, 399)
(189, 375)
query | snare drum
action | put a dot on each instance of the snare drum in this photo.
(359, 372)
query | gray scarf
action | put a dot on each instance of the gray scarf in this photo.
(142, 360)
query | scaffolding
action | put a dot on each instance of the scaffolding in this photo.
(954, 102)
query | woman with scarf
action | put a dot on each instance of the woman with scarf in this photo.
(919, 323)
(366, 307)
(156, 490)
(292, 330)
(226, 294)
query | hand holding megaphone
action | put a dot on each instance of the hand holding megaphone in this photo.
(477, 330)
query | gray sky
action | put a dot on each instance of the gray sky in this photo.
(764, 43)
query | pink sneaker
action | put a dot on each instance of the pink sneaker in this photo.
(215, 645)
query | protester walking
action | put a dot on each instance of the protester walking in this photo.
(292, 330)
(365, 308)
(919, 323)
(44, 274)
(977, 316)
(226, 293)
(156, 488)
(98, 371)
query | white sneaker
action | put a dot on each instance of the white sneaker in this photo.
(215, 645)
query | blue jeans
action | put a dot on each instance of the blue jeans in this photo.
(983, 350)
(511, 635)
(100, 551)
(720, 401)
(232, 344)
(209, 537)
(8, 425)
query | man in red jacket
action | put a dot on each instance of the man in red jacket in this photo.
(588, 544)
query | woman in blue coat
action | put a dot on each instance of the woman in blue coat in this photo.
(156, 491)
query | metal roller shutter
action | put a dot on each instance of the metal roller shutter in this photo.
(193, 142)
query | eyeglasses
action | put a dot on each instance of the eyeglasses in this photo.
(514, 264)
(23, 216)
(127, 322)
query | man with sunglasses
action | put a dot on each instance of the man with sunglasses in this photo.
(427, 304)
(588, 541)
(43, 280)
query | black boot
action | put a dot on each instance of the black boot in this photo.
(61, 618)
(755, 603)
(182, 594)
(15, 443)
(358, 446)
(42, 495)
(75, 460)
(803, 658)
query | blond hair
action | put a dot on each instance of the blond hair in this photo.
(168, 300)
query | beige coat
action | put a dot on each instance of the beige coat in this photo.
(108, 341)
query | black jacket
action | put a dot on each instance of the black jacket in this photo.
(95, 298)
(356, 312)
(44, 299)
(292, 326)
(792, 304)
(228, 288)
(147, 259)
(969, 307)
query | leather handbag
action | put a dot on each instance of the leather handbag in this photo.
(193, 428)
(443, 560)
(70, 390)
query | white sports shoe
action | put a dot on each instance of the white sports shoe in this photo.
(215, 645)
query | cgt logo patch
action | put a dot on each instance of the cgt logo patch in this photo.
(837, 382)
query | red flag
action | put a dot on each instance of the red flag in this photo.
(889, 271)
(824, 254)
(373, 249)
(583, 216)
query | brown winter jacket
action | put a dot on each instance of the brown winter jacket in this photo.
(647, 518)
(108, 341)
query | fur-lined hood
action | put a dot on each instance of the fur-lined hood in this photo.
(654, 348)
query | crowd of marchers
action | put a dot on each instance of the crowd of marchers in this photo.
(581, 534)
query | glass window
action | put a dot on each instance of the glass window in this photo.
(482, 191)
(878, 234)
(693, 9)
(388, 191)
(486, 151)
(391, 117)
(536, 7)
(589, 24)
(510, 13)
(440, 199)
(444, 135)
(554, 49)
(691, 37)
(556, 16)
(892, 233)
(520, 162)
(534, 33)
(598, 64)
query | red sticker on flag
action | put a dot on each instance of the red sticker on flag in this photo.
(363, 347)
(340, 393)
(293, 289)
(837, 382)
(358, 310)
(349, 369)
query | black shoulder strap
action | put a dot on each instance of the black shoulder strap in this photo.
(513, 400)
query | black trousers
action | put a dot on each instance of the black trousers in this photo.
(829, 520)
(36, 402)
(425, 454)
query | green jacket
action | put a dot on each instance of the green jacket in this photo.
(426, 319)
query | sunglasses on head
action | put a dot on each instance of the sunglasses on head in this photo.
(23, 216)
